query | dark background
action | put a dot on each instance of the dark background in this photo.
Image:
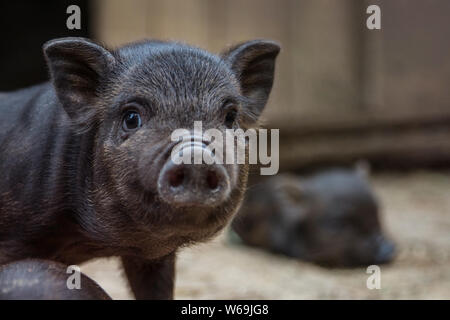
(24, 27)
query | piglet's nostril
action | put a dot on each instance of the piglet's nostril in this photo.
(212, 180)
(176, 177)
(193, 185)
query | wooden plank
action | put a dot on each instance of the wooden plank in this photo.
(416, 56)
(403, 148)
(117, 22)
(254, 19)
(182, 20)
(326, 59)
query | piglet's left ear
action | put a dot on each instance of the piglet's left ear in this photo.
(253, 63)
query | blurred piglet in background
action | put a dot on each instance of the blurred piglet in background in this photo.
(330, 219)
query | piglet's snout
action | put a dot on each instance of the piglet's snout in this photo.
(192, 184)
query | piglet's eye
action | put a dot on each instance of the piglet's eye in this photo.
(230, 118)
(131, 121)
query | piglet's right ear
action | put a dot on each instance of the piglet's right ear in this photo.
(253, 62)
(77, 66)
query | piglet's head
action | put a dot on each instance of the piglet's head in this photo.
(130, 101)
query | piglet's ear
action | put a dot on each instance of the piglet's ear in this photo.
(291, 189)
(77, 66)
(293, 198)
(362, 168)
(253, 63)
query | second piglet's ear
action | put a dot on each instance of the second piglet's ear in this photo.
(77, 66)
(253, 63)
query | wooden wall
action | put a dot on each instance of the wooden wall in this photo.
(342, 92)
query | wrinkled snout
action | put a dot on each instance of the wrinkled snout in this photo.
(189, 184)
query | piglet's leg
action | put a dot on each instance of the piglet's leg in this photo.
(151, 279)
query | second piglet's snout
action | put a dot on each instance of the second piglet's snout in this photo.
(193, 184)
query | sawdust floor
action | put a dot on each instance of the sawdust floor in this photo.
(416, 214)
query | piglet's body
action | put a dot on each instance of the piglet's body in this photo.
(331, 219)
(85, 159)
